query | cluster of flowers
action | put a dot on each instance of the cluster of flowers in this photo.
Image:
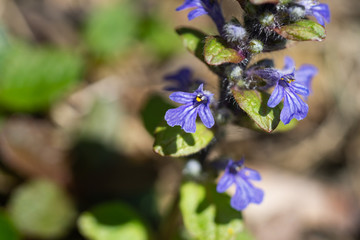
(288, 83)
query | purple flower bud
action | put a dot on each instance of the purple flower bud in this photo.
(205, 7)
(194, 103)
(183, 79)
(236, 173)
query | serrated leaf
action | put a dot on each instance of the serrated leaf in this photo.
(33, 78)
(254, 103)
(207, 214)
(112, 221)
(304, 30)
(7, 230)
(193, 40)
(216, 52)
(175, 142)
(50, 213)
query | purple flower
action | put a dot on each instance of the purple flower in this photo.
(194, 103)
(320, 11)
(204, 7)
(183, 79)
(288, 87)
(236, 173)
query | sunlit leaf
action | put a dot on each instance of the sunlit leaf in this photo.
(207, 214)
(112, 221)
(41, 209)
(254, 103)
(216, 52)
(304, 30)
(175, 142)
(193, 40)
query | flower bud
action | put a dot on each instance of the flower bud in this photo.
(267, 19)
(235, 74)
(296, 13)
(234, 32)
(256, 46)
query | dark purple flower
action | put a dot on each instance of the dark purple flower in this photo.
(183, 79)
(236, 173)
(288, 87)
(204, 7)
(320, 11)
(194, 103)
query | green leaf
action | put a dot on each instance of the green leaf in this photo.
(193, 40)
(7, 230)
(110, 30)
(154, 111)
(304, 30)
(175, 142)
(254, 103)
(112, 221)
(41, 209)
(284, 128)
(216, 52)
(208, 215)
(32, 78)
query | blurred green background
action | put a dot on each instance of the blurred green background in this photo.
(77, 79)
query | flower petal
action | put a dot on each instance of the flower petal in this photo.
(189, 121)
(305, 74)
(206, 115)
(175, 116)
(182, 97)
(299, 89)
(225, 182)
(276, 96)
(196, 13)
(323, 10)
(251, 174)
(289, 65)
(257, 195)
(241, 198)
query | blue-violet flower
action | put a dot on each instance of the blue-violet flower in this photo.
(183, 79)
(286, 87)
(245, 193)
(205, 7)
(194, 103)
(320, 11)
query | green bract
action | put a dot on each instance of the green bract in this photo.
(254, 103)
(216, 52)
(207, 214)
(174, 142)
(304, 30)
(112, 221)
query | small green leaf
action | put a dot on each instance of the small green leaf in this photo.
(254, 103)
(112, 221)
(304, 30)
(216, 52)
(50, 213)
(33, 78)
(7, 230)
(175, 142)
(193, 40)
(208, 215)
